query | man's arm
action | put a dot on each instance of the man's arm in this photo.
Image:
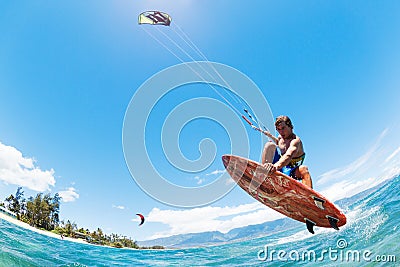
(287, 157)
(273, 138)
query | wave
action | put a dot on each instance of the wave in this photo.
(372, 226)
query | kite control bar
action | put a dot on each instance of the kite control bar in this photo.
(266, 132)
(251, 124)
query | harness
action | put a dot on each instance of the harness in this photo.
(290, 169)
(296, 162)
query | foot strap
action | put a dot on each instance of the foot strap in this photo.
(319, 202)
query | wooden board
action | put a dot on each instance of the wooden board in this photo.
(284, 194)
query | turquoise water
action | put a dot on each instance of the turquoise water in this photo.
(371, 237)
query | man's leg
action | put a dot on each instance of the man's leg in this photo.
(303, 172)
(268, 152)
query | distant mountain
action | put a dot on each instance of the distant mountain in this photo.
(216, 237)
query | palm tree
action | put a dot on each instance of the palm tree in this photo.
(54, 211)
(69, 228)
(20, 202)
(11, 200)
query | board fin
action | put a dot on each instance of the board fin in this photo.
(319, 202)
(333, 222)
(310, 225)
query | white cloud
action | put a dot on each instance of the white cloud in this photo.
(359, 166)
(118, 207)
(338, 173)
(229, 181)
(345, 189)
(199, 180)
(18, 170)
(365, 172)
(216, 172)
(137, 219)
(396, 152)
(69, 195)
(209, 218)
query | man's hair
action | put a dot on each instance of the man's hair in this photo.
(284, 119)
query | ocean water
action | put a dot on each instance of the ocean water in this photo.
(371, 237)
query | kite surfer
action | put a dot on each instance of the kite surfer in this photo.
(291, 156)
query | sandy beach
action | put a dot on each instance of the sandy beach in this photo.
(50, 234)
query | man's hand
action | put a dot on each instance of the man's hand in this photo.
(270, 167)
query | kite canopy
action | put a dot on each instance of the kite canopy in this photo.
(155, 18)
(141, 218)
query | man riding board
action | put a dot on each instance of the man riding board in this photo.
(290, 159)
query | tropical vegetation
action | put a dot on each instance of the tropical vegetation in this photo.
(42, 211)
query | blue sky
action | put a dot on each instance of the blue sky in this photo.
(69, 70)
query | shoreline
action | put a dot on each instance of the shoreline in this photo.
(56, 236)
(39, 231)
